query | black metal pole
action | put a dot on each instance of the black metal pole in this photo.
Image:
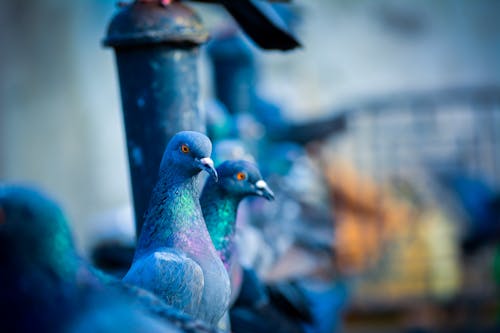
(157, 50)
(235, 82)
(234, 71)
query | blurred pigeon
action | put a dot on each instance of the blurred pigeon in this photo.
(281, 307)
(46, 287)
(37, 264)
(220, 124)
(480, 202)
(175, 257)
(257, 19)
(231, 149)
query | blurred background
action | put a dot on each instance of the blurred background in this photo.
(380, 137)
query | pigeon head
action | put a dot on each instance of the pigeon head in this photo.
(189, 153)
(32, 227)
(242, 178)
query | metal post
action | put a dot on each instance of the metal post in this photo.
(234, 72)
(157, 50)
(235, 82)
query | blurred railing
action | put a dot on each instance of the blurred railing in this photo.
(413, 179)
(444, 129)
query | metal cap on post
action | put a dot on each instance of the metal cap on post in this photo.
(139, 24)
(157, 51)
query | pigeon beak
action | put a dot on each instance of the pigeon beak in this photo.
(263, 190)
(207, 164)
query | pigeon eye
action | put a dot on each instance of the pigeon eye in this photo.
(241, 176)
(185, 149)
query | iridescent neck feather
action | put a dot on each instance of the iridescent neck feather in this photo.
(174, 212)
(220, 210)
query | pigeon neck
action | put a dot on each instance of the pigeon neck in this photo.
(219, 210)
(174, 215)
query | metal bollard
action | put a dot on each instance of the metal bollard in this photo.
(235, 82)
(234, 73)
(157, 51)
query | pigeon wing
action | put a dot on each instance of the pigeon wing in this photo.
(175, 278)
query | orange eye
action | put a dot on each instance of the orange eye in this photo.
(185, 149)
(241, 176)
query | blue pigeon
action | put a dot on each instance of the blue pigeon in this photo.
(175, 258)
(257, 307)
(219, 202)
(38, 270)
(46, 287)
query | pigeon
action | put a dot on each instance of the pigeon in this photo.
(38, 272)
(219, 202)
(257, 19)
(175, 257)
(257, 307)
(45, 286)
